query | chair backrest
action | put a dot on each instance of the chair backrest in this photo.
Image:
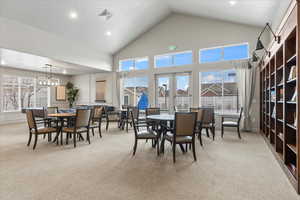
(200, 113)
(30, 119)
(83, 117)
(97, 112)
(152, 111)
(52, 110)
(208, 115)
(185, 123)
(135, 111)
(241, 112)
(134, 121)
(125, 106)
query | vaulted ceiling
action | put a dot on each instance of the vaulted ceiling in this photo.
(130, 17)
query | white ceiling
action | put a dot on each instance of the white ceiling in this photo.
(130, 17)
(14, 59)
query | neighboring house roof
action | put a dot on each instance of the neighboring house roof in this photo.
(215, 89)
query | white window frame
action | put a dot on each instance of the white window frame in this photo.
(134, 65)
(172, 54)
(200, 89)
(19, 93)
(222, 47)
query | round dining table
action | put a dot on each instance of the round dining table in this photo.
(61, 117)
(163, 119)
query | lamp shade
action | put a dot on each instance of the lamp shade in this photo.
(259, 45)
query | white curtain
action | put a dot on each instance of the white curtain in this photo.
(246, 77)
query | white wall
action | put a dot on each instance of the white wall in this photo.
(187, 33)
(21, 37)
(87, 87)
(13, 117)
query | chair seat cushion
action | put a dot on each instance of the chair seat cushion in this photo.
(180, 139)
(207, 125)
(230, 123)
(94, 125)
(71, 130)
(43, 130)
(146, 135)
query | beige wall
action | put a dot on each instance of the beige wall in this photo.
(12, 117)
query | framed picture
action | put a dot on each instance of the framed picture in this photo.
(100, 91)
(60, 93)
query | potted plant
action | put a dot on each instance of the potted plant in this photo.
(72, 93)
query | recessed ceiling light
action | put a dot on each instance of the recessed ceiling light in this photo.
(3, 62)
(64, 71)
(73, 15)
(232, 3)
(108, 33)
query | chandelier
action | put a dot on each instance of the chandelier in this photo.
(47, 78)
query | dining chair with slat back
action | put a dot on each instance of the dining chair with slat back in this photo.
(152, 111)
(208, 121)
(145, 134)
(200, 114)
(234, 124)
(34, 130)
(96, 121)
(184, 132)
(82, 125)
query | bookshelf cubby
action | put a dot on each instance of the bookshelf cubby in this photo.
(279, 102)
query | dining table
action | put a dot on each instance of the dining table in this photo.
(61, 117)
(163, 120)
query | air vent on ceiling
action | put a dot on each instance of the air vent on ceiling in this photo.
(105, 14)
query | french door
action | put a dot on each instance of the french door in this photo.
(173, 91)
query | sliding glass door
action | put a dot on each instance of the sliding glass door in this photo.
(173, 91)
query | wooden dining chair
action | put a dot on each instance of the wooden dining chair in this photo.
(97, 113)
(152, 111)
(82, 125)
(235, 124)
(208, 121)
(144, 134)
(200, 114)
(34, 130)
(184, 132)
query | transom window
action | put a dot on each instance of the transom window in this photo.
(174, 59)
(134, 64)
(224, 53)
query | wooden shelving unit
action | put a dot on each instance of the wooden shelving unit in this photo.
(279, 102)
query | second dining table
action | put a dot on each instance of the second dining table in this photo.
(61, 117)
(163, 120)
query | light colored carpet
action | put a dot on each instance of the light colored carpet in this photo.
(227, 168)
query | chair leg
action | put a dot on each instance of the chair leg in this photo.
(107, 124)
(207, 133)
(67, 138)
(35, 140)
(29, 139)
(162, 145)
(88, 136)
(100, 134)
(222, 131)
(213, 132)
(74, 139)
(200, 138)
(134, 147)
(194, 151)
(174, 152)
(157, 146)
(61, 139)
(93, 131)
(239, 134)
